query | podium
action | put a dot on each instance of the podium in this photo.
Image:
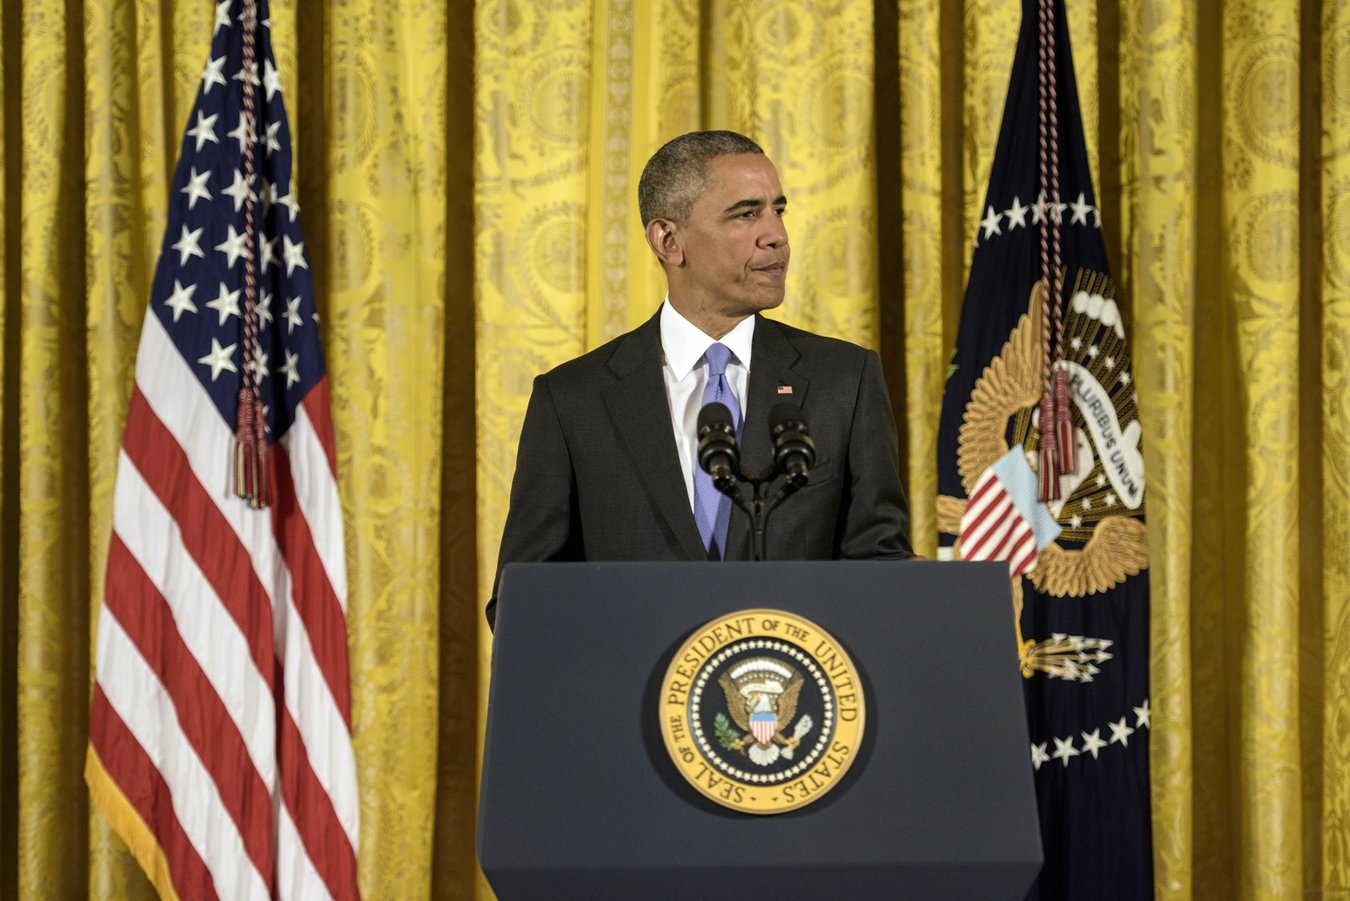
(581, 799)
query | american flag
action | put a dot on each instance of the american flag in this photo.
(220, 740)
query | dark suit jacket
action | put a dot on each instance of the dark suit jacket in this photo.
(598, 476)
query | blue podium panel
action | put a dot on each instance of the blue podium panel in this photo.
(580, 798)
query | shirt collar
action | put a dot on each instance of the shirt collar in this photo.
(684, 344)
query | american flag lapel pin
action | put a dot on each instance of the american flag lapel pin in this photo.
(784, 389)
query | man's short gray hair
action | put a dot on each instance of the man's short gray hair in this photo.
(676, 175)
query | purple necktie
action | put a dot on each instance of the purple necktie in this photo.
(712, 508)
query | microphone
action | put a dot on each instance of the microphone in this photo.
(793, 450)
(718, 454)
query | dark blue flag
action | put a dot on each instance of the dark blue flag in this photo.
(1039, 464)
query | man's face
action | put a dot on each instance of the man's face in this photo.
(735, 247)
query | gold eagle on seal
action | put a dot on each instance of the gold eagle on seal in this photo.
(761, 696)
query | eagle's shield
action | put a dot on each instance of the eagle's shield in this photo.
(764, 725)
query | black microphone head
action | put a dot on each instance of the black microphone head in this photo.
(783, 413)
(794, 452)
(715, 415)
(718, 454)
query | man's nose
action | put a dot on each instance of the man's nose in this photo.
(774, 234)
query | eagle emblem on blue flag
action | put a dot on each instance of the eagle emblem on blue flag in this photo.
(1098, 537)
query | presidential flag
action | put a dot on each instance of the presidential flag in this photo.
(1039, 464)
(220, 727)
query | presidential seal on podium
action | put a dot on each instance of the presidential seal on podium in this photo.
(762, 711)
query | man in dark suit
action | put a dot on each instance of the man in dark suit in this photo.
(607, 467)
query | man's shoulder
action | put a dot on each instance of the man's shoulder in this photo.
(608, 360)
(586, 362)
(812, 345)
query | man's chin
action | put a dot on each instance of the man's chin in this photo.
(770, 290)
(769, 300)
(748, 303)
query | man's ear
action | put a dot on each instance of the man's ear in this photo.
(663, 240)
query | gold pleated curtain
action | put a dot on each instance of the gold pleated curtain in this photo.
(466, 177)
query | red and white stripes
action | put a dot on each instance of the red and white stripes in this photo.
(1004, 519)
(222, 705)
(993, 529)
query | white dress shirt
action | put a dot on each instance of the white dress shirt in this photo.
(686, 374)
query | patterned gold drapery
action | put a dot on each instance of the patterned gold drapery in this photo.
(467, 176)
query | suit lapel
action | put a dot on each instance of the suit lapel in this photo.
(640, 416)
(771, 369)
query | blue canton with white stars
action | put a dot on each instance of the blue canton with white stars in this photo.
(198, 292)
